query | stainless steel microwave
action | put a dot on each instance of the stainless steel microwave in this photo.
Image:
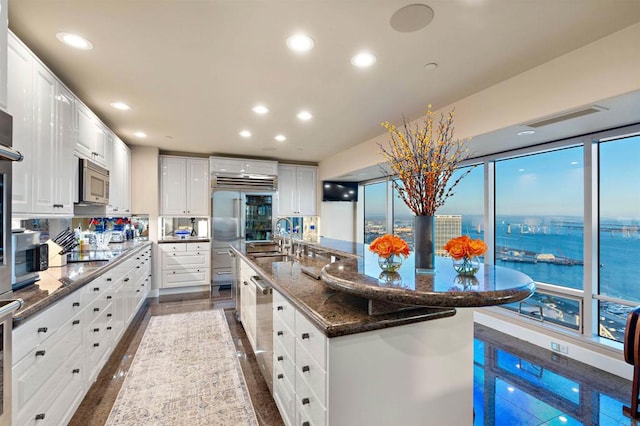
(94, 183)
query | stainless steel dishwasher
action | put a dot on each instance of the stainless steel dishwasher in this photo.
(264, 329)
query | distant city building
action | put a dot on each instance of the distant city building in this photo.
(447, 227)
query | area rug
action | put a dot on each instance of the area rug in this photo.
(185, 372)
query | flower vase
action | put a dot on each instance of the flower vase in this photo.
(424, 243)
(466, 266)
(391, 263)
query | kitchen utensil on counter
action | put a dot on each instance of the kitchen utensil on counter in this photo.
(66, 240)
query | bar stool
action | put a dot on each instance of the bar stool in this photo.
(632, 356)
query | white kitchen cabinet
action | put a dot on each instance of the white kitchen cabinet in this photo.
(297, 190)
(248, 303)
(238, 166)
(4, 23)
(58, 353)
(119, 178)
(185, 264)
(91, 142)
(185, 187)
(44, 128)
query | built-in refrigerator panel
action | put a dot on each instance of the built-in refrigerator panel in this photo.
(226, 229)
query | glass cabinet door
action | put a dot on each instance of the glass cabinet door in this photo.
(258, 217)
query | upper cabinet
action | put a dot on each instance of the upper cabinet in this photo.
(4, 23)
(44, 129)
(226, 165)
(185, 186)
(119, 165)
(92, 141)
(297, 190)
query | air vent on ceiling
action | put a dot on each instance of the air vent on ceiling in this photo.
(253, 183)
(568, 116)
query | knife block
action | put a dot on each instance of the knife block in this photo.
(56, 259)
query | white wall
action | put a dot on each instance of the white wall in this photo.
(338, 220)
(601, 70)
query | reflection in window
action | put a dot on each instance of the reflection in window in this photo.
(375, 211)
(467, 201)
(539, 216)
(551, 308)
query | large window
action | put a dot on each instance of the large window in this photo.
(375, 211)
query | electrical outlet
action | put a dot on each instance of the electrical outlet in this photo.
(557, 347)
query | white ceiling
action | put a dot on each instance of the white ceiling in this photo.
(192, 70)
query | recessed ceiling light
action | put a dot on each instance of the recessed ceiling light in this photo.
(245, 134)
(121, 106)
(280, 138)
(140, 134)
(75, 40)
(363, 60)
(430, 66)
(300, 43)
(260, 109)
(526, 132)
(304, 115)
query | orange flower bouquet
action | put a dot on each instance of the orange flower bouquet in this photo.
(389, 248)
(464, 250)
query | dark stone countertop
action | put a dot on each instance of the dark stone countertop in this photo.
(187, 239)
(57, 282)
(492, 285)
(335, 313)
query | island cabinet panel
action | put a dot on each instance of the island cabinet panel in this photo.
(58, 354)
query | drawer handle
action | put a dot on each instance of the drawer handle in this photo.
(280, 308)
(306, 424)
(137, 267)
(138, 291)
(305, 401)
(109, 328)
(280, 376)
(75, 371)
(75, 322)
(280, 333)
(108, 297)
(142, 285)
(126, 279)
(109, 315)
(305, 368)
(40, 416)
(95, 330)
(40, 353)
(95, 345)
(96, 309)
(75, 304)
(305, 335)
(42, 330)
(108, 280)
(96, 289)
(280, 358)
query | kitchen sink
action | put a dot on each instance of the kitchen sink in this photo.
(272, 253)
(262, 247)
(280, 257)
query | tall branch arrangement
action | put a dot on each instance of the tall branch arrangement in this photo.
(424, 159)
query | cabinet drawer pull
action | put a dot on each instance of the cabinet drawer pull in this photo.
(126, 279)
(42, 330)
(75, 322)
(306, 424)
(280, 376)
(137, 267)
(280, 358)
(138, 291)
(75, 371)
(305, 401)
(109, 328)
(108, 297)
(109, 315)
(40, 353)
(108, 280)
(305, 368)
(280, 333)
(40, 416)
(96, 289)
(305, 335)
(96, 309)
(280, 308)
(95, 345)
(58, 206)
(75, 304)
(95, 330)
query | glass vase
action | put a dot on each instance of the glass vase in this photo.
(391, 263)
(466, 266)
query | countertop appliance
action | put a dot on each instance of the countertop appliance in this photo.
(7, 155)
(94, 184)
(237, 216)
(264, 329)
(29, 258)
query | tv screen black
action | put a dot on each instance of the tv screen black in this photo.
(339, 191)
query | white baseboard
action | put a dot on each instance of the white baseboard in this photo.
(609, 360)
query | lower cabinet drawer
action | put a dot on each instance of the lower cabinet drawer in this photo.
(283, 336)
(185, 277)
(284, 396)
(284, 362)
(310, 338)
(308, 370)
(309, 410)
(222, 276)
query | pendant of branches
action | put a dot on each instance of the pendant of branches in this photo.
(424, 160)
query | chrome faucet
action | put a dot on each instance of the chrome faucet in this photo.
(290, 246)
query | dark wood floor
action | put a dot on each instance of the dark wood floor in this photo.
(94, 409)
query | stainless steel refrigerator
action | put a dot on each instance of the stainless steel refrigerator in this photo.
(237, 216)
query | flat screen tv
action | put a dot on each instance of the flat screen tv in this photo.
(339, 191)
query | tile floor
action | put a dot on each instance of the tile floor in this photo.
(515, 382)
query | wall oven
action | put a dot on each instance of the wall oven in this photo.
(7, 156)
(94, 183)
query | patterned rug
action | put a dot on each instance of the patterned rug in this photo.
(185, 372)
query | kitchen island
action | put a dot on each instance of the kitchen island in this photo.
(336, 362)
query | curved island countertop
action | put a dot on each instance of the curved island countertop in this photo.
(492, 285)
